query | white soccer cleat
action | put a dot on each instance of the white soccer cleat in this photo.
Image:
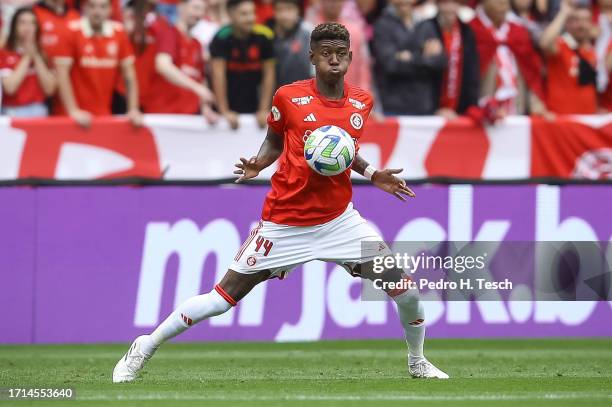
(131, 363)
(424, 369)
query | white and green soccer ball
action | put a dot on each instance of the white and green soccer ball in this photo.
(329, 150)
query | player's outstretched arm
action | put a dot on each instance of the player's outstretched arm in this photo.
(383, 179)
(270, 150)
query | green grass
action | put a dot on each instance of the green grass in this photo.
(348, 373)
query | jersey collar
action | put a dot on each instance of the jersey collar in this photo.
(326, 101)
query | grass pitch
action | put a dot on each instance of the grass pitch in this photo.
(348, 373)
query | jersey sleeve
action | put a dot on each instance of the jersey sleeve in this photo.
(267, 49)
(168, 43)
(368, 100)
(126, 52)
(66, 48)
(5, 68)
(277, 118)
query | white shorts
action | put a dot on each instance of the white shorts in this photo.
(281, 248)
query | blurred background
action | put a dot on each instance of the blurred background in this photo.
(121, 122)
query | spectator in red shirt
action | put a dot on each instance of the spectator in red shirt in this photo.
(53, 16)
(570, 61)
(510, 67)
(180, 86)
(94, 54)
(146, 28)
(25, 77)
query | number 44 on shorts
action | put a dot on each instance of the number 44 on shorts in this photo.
(265, 243)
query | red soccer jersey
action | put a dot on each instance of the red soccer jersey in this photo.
(53, 27)
(156, 28)
(300, 196)
(96, 63)
(564, 94)
(186, 53)
(29, 91)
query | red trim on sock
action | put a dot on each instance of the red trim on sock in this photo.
(187, 320)
(225, 295)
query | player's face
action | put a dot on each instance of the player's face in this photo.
(243, 16)
(97, 11)
(331, 59)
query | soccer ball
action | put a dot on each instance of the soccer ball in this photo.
(329, 150)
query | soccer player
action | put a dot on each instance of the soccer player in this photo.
(306, 216)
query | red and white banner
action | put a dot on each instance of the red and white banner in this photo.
(177, 147)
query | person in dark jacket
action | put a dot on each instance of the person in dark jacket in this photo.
(454, 89)
(404, 63)
(291, 43)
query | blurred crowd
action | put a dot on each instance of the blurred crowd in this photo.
(220, 58)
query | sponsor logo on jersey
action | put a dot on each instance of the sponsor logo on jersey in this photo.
(275, 113)
(301, 101)
(357, 104)
(251, 260)
(356, 121)
(310, 118)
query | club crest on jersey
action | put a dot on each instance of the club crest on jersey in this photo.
(112, 48)
(251, 261)
(356, 103)
(356, 121)
(301, 101)
(275, 113)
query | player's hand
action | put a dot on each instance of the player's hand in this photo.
(135, 117)
(81, 117)
(388, 182)
(262, 118)
(232, 119)
(247, 169)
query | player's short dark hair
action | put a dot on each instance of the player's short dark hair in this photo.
(329, 31)
(233, 3)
